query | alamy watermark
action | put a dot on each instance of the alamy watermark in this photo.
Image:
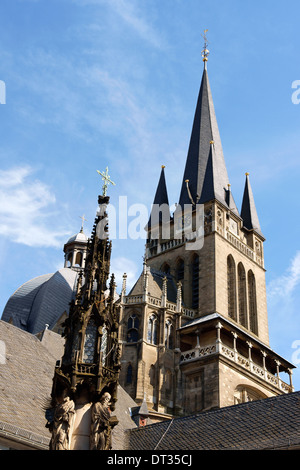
(135, 222)
(296, 353)
(2, 92)
(296, 94)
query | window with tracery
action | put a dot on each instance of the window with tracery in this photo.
(89, 347)
(245, 394)
(152, 335)
(169, 335)
(133, 329)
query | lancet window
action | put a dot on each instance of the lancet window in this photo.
(90, 342)
(242, 292)
(153, 330)
(252, 303)
(133, 329)
(231, 286)
(169, 335)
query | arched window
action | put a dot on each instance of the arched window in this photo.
(90, 342)
(129, 374)
(165, 268)
(69, 260)
(244, 394)
(153, 330)
(78, 259)
(231, 286)
(169, 335)
(242, 296)
(195, 281)
(252, 303)
(133, 329)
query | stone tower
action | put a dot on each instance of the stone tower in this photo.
(194, 328)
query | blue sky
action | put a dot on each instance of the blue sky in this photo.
(91, 83)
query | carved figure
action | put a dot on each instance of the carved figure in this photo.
(62, 425)
(100, 428)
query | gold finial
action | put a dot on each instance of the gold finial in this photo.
(186, 181)
(163, 166)
(205, 51)
(212, 142)
(247, 174)
(228, 185)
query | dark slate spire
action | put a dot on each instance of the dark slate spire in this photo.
(205, 129)
(160, 199)
(248, 211)
(230, 201)
(212, 189)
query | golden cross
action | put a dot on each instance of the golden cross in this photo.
(106, 179)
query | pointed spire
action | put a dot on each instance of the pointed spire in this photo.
(230, 201)
(160, 200)
(205, 129)
(212, 188)
(248, 211)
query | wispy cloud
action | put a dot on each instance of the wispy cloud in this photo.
(27, 210)
(284, 285)
(132, 14)
(121, 265)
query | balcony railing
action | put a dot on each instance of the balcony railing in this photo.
(231, 354)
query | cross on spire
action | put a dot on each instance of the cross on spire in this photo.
(106, 178)
(205, 51)
(83, 219)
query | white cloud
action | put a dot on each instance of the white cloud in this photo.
(133, 17)
(122, 265)
(25, 214)
(286, 284)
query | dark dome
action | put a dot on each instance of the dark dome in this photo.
(41, 301)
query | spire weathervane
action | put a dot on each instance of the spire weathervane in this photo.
(205, 51)
(106, 179)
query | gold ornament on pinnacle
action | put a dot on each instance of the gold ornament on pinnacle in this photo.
(205, 51)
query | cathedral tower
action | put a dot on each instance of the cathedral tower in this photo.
(194, 328)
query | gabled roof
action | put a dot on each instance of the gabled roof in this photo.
(155, 285)
(248, 210)
(230, 201)
(205, 129)
(269, 423)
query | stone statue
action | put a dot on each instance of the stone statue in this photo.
(62, 426)
(100, 428)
